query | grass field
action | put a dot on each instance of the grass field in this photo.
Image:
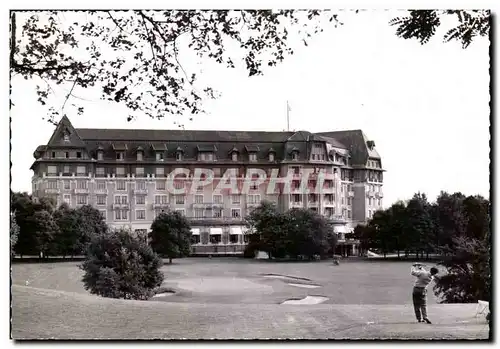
(236, 298)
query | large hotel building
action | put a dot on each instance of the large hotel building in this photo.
(125, 174)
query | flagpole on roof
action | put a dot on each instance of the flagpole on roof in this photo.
(288, 109)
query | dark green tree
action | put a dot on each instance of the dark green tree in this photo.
(308, 234)
(46, 231)
(14, 233)
(31, 225)
(119, 265)
(67, 240)
(170, 235)
(420, 225)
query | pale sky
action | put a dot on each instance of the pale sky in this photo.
(426, 107)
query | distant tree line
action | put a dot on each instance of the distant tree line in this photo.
(455, 229)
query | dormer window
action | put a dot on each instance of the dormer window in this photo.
(160, 156)
(100, 153)
(78, 154)
(294, 153)
(120, 156)
(66, 136)
(252, 151)
(140, 154)
(271, 156)
(233, 153)
(179, 153)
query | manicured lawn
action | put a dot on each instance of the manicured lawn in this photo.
(236, 298)
(352, 282)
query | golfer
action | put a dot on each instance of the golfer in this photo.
(424, 278)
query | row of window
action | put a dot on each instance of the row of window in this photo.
(377, 202)
(101, 200)
(140, 214)
(202, 156)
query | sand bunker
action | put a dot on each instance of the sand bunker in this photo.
(222, 285)
(304, 285)
(306, 301)
(164, 294)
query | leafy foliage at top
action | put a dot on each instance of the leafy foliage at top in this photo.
(422, 25)
(142, 69)
(135, 57)
(14, 233)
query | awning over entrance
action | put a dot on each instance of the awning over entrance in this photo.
(195, 231)
(215, 231)
(236, 231)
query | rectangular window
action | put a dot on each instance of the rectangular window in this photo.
(160, 171)
(179, 199)
(99, 155)
(101, 200)
(81, 199)
(120, 171)
(178, 184)
(234, 156)
(217, 213)
(271, 157)
(178, 156)
(140, 185)
(139, 156)
(139, 171)
(236, 199)
(101, 185)
(253, 199)
(160, 185)
(198, 199)
(67, 185)
(217, 172)
(161, 199)
(124, 199)
(67, 199)
(81, 184)
(349, 214)
(199, 213)
(78, 154)
(120, 156)
(52, 184)
(99, 171)
(140, 214)
(349, 201)
(120, 185)
(81, 171)
(217, 199)
(140, 200)
(235, 213)
(159, 156)
(252, 157)
(51, 170)
(369, 201)
(66, 169)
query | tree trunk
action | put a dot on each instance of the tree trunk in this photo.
(170, 260)
(398, 254)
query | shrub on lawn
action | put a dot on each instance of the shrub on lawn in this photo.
(119, 265)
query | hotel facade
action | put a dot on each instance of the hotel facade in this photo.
(132, 176)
